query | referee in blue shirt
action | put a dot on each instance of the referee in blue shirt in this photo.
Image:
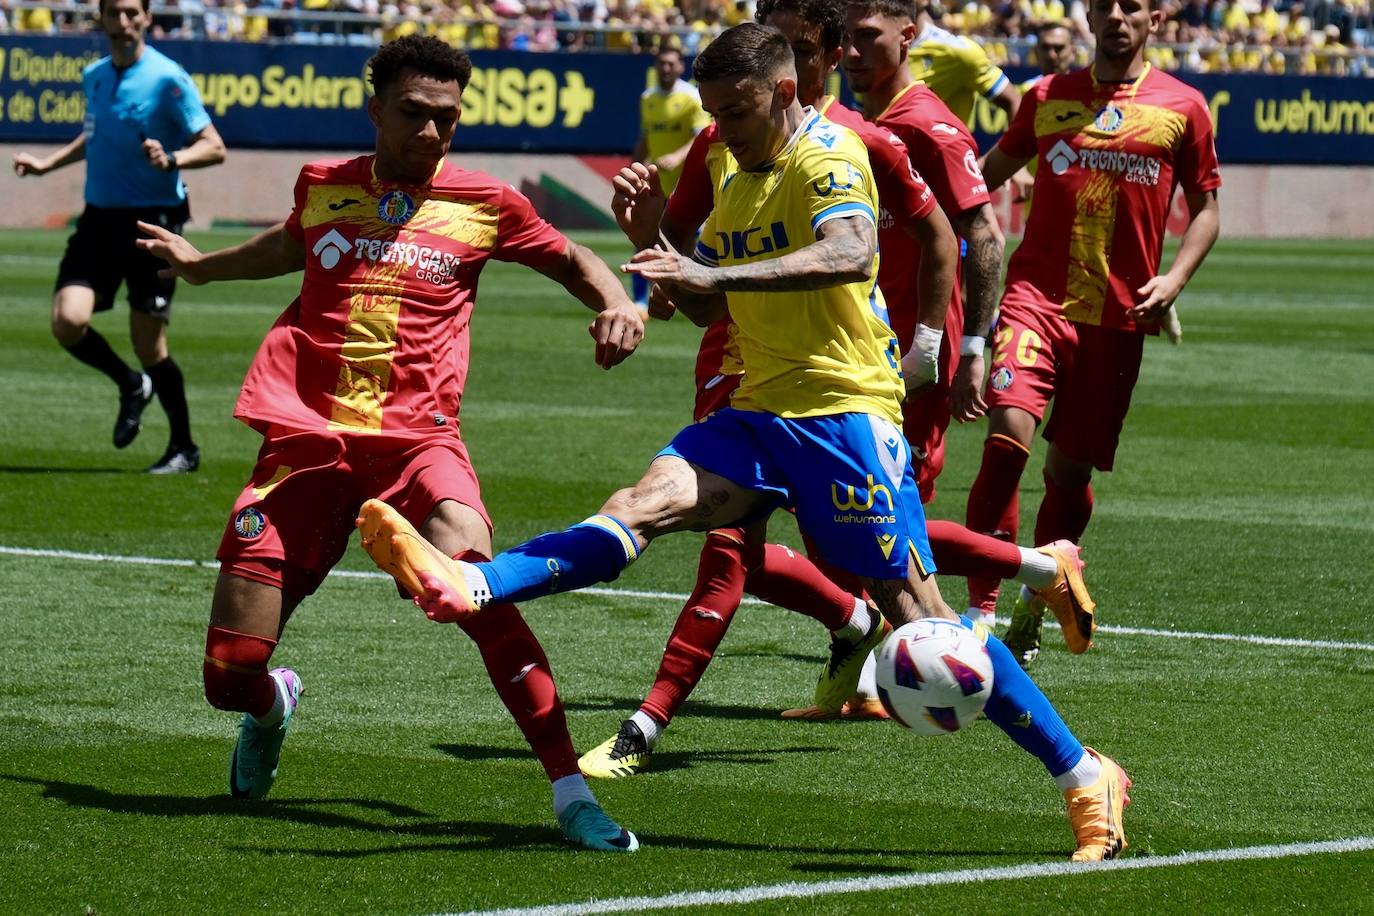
(144, 124)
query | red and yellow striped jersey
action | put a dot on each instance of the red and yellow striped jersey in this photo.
(377, 340)
(1109, 158)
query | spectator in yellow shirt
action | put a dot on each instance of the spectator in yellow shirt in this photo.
(1267, 21)
(670, 117)
(1235, 19)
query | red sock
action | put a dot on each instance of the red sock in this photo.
(994, 506)
(961, 552)
(235, 671)
(701, 625)
(789, 580)
(520, 672)
(1064, 512)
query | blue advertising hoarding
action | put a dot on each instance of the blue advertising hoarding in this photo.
(312, 97)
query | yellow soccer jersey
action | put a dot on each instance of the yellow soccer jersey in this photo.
(806, 353)
(669, 121)
(955, 68)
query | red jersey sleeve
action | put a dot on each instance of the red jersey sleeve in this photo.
(1196, 168)
(694, 197)
(293, 222)
(1019, 142)
(523, 235)
(948, 160)
(901, 190)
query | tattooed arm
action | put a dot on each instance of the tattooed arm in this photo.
(842, 253)
(982, 280)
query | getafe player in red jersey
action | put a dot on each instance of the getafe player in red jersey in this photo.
(1113, 142)
(356, 391)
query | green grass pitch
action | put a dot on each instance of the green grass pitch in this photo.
(1242, 504)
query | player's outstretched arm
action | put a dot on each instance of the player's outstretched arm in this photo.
(842, 253)
(685, 280)
(26, 164)
(618, 327)
(1204, 212)
(934, 286)
(270, 253)
(982, 279)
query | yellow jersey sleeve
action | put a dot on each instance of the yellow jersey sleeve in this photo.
(987, 77)
(956, 69)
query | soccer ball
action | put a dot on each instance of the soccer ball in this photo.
(934, 675)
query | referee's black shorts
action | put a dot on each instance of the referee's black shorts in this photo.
(101, 254)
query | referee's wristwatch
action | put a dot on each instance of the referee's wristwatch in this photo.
(171, 162)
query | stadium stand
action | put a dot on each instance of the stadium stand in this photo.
(1329, 37)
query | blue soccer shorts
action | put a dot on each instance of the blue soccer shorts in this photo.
(848, 476)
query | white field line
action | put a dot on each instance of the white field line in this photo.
(678, 598)
(806, 891)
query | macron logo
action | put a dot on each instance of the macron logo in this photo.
(331, 246)
(1060, 157)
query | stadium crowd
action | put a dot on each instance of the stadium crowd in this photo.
(1210, 36)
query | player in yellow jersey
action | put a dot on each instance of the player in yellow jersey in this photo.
(790, 251)
(670, 117)
(956, 68)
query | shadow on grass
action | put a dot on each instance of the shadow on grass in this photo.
(802, 658)
(20, 469)
(79, 795)
(626, 705)
(661, 762)
(431, 835)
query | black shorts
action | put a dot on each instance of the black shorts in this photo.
(101, 254)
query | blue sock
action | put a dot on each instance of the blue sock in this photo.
(1018, 708)
(596, 550)
(639, 287)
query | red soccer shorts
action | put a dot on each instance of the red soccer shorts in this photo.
(714, 395)
(924, 421)
(926, 416)
(1088, 370)
(292, 522)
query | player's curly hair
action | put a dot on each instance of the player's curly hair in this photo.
(748, 49)
(422, 53)
(828, 14)
(897, 9)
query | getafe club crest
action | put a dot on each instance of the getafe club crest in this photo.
(1001, 379)
(249, 523)
(396, 207)
(1109, 119)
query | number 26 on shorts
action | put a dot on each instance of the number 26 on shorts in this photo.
(1027, 345)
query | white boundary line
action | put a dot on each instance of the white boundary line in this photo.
(678, 598)
(800, 890)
